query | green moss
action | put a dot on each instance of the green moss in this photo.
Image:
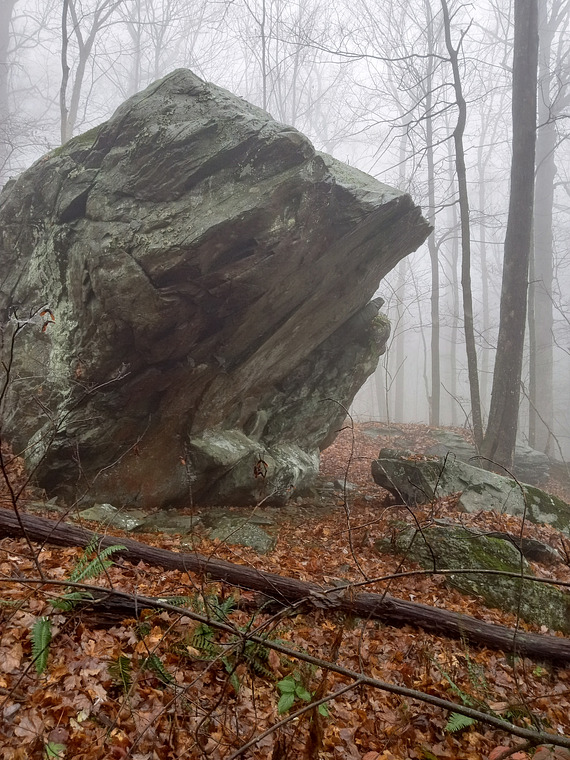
(83, 141)
(455, 548)
(545, 508)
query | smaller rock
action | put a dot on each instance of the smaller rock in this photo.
(344, 485)
(125, 519)
(168, 521)
(531, 466)
(531, 548)
(417, 479)
(239, 530)
(453, 547)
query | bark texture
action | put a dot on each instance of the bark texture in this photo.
(500, 437)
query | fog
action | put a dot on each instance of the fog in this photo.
(371, 83)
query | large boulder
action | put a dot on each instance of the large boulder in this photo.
(530, 465)
(210, 277)
(416, 479)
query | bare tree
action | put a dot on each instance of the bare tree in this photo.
(500, 437)
(553, 98)
(461, 171)
(83, 26)
(6, 11)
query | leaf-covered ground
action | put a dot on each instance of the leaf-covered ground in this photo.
(165, 687)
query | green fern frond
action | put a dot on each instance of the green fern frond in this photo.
(463, 696)
(154, 663)
(120, 670)
(256, 657)
(458, 722)
(222, 610)
(179, 601)
(230, 666)
(87, 569)
(70, 600)
(84, 558)
(41, 638)
(142, 630)
(203, 640)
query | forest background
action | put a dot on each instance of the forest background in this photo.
(375, 84)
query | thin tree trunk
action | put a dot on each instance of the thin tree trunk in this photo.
(435, 398)
(500, 438)
(6, 10)
(400, 340)
(485, 308)
(455, 305)
(465, 232)
(64, 74)
(540, 291)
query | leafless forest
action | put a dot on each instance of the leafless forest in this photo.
(398, 90)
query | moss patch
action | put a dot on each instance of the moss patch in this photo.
(454, 548)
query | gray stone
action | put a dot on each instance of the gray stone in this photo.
(242, 531)
(531, 548)
(168, 521)
(344, 485)
(208, 271)
(125, 519)
(454, 547)
(531, 466)
(416, 480)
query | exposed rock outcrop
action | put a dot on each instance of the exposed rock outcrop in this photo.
(530, 466)
(417, 479)
(210, 277)
(453, 547)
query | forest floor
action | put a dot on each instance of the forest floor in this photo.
(162, 687)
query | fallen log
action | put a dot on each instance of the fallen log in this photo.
(287, 591)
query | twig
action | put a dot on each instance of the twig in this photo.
(540, 737)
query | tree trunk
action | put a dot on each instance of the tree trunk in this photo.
(63, 110)
(500, 438)
(399, 372)
(6, 10)
(435, 397)
(461, 170)
(287, 591)
(540, 294)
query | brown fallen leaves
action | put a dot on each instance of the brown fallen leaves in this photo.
(207, 703)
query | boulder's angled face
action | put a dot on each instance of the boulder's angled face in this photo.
(207, 271)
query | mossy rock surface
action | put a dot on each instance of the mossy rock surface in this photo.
(237, 530)
(209, 272)
(419, 479)
(456, 548)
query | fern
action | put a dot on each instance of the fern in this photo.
(179, 601)
(230, 666)
(203, 640)
(458, 722)
(120, 670)
(41, 638)
(69, 600)
(82, 561)
(86, 569)
(222, 610)
(154, 663)
(256, 657)
(142, 629)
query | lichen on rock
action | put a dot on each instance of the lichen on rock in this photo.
(209, 271)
